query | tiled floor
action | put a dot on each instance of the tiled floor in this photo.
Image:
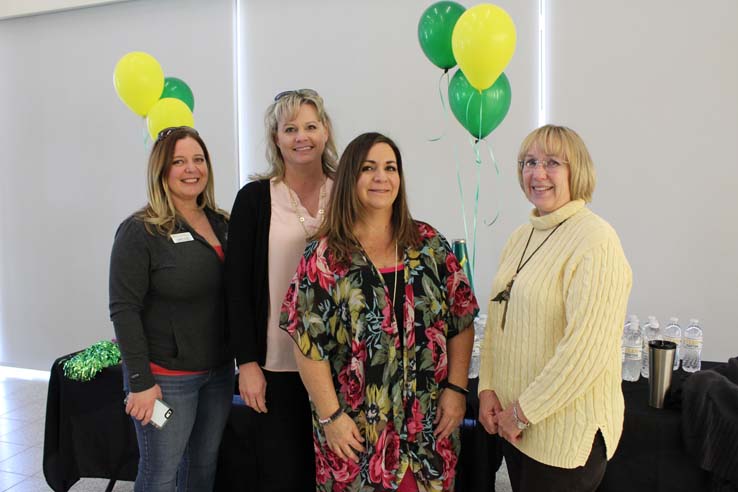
(22, 412)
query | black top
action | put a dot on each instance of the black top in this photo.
(247, 272)
(167, 301)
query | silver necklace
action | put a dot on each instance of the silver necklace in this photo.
(394, 289)
(396, 259)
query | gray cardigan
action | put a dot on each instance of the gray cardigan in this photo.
(167, 300)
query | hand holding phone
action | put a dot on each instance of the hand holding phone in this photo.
(162, 413)
(147, 406)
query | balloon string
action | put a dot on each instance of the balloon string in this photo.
(478, 165)
(488, 222)
(443, 105)
(461, 198)
(145, 135)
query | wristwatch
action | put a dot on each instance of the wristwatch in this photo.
(519, 423)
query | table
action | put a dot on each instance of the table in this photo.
(651, 455)
(88, 434)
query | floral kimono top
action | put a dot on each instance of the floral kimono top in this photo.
(389, 387)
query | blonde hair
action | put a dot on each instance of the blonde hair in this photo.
(345, 210)
(566, 143)
(160, 215)
(285, 108)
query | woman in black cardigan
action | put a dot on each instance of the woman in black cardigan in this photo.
(272, 218)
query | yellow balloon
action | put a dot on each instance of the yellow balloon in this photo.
(166, 113)
(483, 43)
(139, 81)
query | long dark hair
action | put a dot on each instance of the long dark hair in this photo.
(345, 210)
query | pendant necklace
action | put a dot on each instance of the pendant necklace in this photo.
(504, 296)
(301, 218)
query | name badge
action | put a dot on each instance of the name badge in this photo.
(182, 237)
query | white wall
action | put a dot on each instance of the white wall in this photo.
(651, 88)
(365, 60)
(18, 8)
(75, 158)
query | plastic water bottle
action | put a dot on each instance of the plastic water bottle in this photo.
(673, 333)
(480, 323)
(651, 331)
(632, 349)
(692, 347)
(626, 329)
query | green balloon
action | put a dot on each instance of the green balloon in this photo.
(434, 32)
(178, 89)
(479, 113)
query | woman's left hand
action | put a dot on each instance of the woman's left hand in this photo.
(450, 413)
(506, 427)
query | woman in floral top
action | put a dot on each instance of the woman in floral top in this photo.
(379, 308)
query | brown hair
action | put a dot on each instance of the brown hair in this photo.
(345, 210)
(160, 214)
(566, 143)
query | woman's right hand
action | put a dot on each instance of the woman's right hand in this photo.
(252, 386)
(344, 438)
(489, 407)
(140, 405)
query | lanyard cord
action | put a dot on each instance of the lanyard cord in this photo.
(504, 296)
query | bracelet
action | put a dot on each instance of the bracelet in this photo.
(449, 385)
(332, 417)
(519, 423)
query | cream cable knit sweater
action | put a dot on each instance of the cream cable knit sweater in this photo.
(559, 353)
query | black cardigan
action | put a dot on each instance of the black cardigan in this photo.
(246, 272)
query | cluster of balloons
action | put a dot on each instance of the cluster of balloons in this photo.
(165, 102)
(481, 40)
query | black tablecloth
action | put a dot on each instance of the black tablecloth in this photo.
(651, 455)
(87, 431)
(88, 434)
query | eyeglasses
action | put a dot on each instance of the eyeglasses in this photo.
(168, 131)
(550, 165)
(299, 92)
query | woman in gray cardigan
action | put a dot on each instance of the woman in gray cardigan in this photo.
(168, 308)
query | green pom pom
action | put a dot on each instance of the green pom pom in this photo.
(87, 364)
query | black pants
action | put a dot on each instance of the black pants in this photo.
(529, 475)
(280, 442)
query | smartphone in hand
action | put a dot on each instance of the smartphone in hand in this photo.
(162, 413)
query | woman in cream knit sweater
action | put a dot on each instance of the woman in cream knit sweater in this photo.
(551, 368)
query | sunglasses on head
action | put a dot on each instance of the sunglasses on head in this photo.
(168, 131)
(299, 92)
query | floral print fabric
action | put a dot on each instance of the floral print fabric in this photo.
(389, 387)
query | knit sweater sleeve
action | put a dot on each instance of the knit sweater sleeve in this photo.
(597, 283)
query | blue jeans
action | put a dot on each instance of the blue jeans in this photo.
(183, 455)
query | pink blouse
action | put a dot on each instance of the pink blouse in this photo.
(286, 244)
